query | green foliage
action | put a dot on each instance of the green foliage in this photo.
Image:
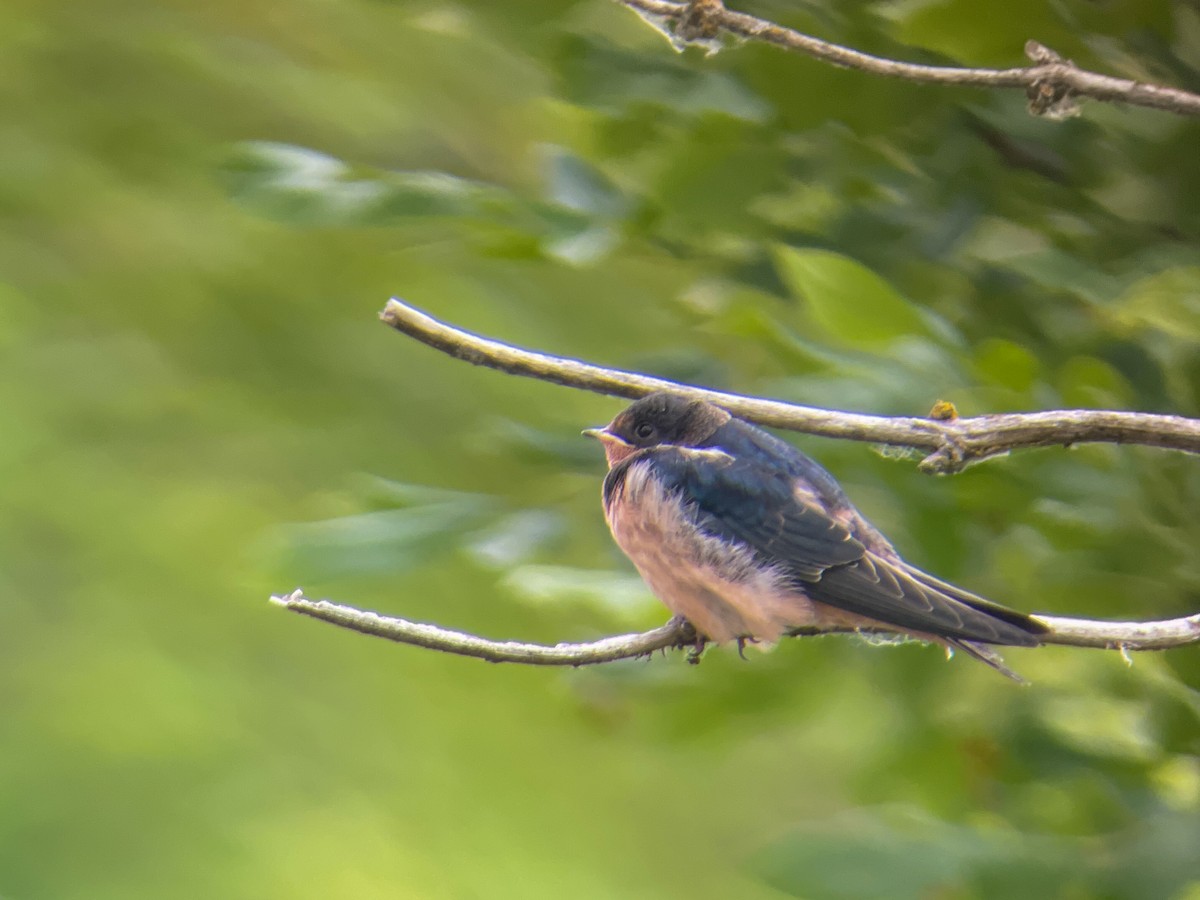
(853, 304)
(204, 206)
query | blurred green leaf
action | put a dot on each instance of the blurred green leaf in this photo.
(1008, 364)
(852, 303)
(575, 184)
(385, 542)
(623, 596)
(515, 538)
(1092, 383)
(1167, 301)
(961, 31)
(900, 853)
(600, 75)
(1102, 726)
(303, 186)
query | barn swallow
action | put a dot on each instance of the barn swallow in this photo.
(747, 538)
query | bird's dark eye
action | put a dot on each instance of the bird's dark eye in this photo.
(644, 431)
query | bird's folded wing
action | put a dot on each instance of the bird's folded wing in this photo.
(747, 502)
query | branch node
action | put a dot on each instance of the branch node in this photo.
(941, 462)
(951, 456)
(1041, 54)
(1051, 93)
(701, 21)
(943, 411)
(1053, 98)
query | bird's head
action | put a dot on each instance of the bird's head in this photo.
(660, 418)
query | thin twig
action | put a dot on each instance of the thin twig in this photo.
(1051, 83)
(626, 646)
(678, 634)
(952, 444)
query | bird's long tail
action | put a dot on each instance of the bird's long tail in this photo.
(984, 654)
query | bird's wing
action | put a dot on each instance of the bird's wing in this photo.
(752, 503)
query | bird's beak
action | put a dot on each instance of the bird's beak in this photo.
(605, 436)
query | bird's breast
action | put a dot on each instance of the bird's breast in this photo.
(718, 586)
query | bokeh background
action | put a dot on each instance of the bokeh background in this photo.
(202, 209)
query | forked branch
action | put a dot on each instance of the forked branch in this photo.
(1052, 84)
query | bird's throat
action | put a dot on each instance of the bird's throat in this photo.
(617, 452)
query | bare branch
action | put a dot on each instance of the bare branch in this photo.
(678, 634)
(675, 633)
(1052, 83)
(1161, 635)
(952, 443)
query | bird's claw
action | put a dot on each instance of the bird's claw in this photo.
(696, 650)
(742, 642)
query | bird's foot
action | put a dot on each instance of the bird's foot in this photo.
(696, 650)
(690, 639)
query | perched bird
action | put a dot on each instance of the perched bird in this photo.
(747, 538)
